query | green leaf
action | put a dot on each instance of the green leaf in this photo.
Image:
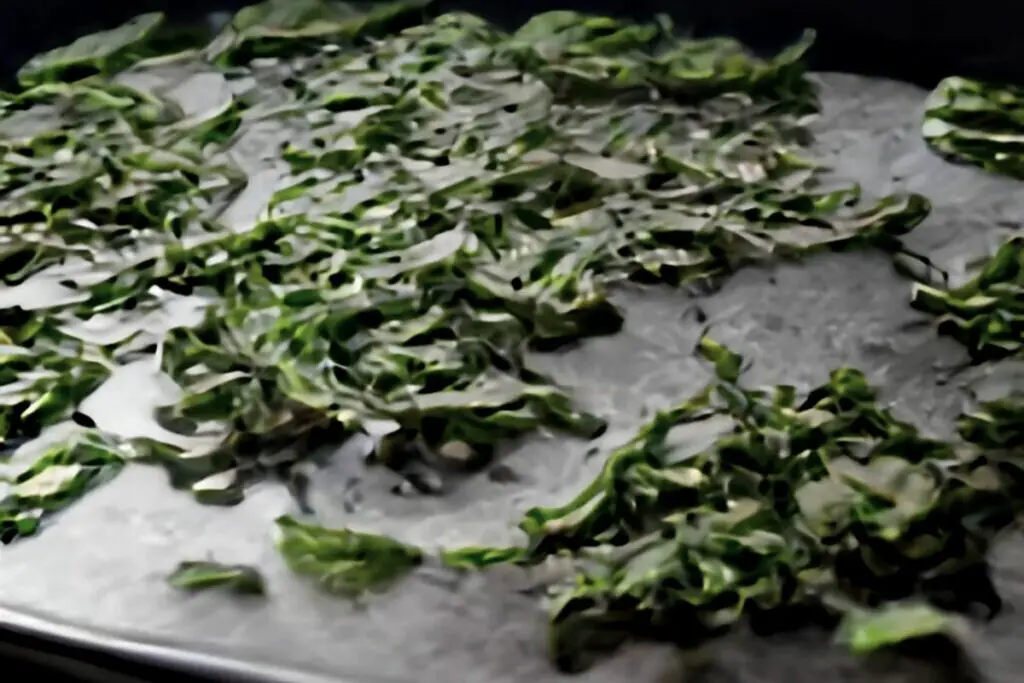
(742, 501)
(865, 631)
(342, 561)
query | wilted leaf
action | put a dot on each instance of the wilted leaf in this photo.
(865, 631)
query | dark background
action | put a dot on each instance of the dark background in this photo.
(914, 40)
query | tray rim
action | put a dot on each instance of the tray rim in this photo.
(41, 633)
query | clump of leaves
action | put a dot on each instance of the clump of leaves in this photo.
(995, 422)
(283, 27)
(450, 196)
(983, 124)
(984, 314)
(205, 574)
(754, 502)
(54, 479)
(43, 377)
(345, 562)
(977, 123)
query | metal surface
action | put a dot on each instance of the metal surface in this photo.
(95, 577)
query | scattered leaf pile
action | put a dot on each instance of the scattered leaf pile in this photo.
(986, 316)
(983, 124)
(345, 562)
(740, 503)
(752, 502)
(368, 217)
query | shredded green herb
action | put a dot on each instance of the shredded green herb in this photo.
(451, 196)
(358, 220)
(756, 503)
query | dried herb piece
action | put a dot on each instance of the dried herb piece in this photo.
(203, 575)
